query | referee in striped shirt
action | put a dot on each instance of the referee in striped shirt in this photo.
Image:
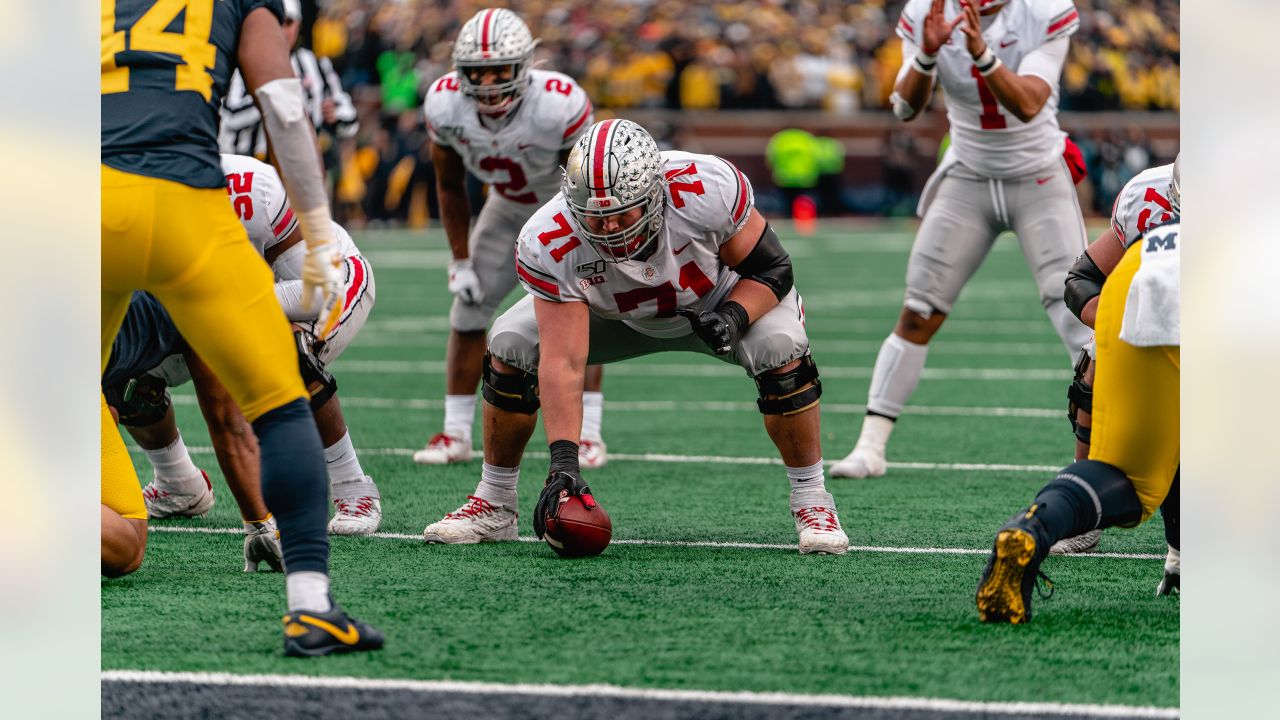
(330, 107)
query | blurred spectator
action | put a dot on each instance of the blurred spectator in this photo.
(793, 155)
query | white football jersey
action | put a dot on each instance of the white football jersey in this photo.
(259, 199)
(984, 136)
(707, 202)
(520, 160)
(1142, 204)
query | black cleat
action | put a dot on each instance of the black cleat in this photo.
(312, 634)
(1004, 593)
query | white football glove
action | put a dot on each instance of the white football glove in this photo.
(262, 545)
(322, 278)
(464, 282)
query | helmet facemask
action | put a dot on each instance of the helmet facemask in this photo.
(615, 190)
(1175, 185)
(495, 42)
(498, 96)
(635, 239)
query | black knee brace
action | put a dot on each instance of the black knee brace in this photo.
(140, 401)
(319, 381)
(793, 391)
(1080, 397)
(514, 392)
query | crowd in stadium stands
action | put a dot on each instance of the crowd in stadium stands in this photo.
(755, 54)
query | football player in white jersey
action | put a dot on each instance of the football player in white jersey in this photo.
(1152, 198)
(511, 126)
(998, 62)
(643, 251)
(180, 488)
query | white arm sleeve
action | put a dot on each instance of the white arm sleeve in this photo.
(1046, 61)
(293, 140)
(909, 52)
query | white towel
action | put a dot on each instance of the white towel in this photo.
(1153, 309)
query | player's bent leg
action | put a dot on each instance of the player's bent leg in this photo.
(124, 543)
(463, 365)
(124, 515)
(357, 502)
(1079, 409)
(1170, 510)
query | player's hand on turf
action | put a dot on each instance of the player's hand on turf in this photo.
(937, 28)
(561, 484)
(972, 29)
(464, 282)
(322, 283)
(718, 328)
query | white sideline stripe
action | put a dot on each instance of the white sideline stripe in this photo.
(699, 544)
(402, 367)
(704, 406)
(710, 459)
(624, 693)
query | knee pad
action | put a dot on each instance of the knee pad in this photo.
(319, 381)
(514, 392)
(1108, 489)
(1080, 397)
(140, 401)
(792, 392)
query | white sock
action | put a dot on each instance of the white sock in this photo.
(173, 467)
(897, 372)
(809, 487)
(592, 415)
(341, 462)
(875, 432)
(308, 591)
(498, 484)
(459, 415)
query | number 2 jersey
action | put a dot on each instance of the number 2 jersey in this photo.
(707, 202)
(986, 137)
(520, 158)
(166, 65)
(1142, 204)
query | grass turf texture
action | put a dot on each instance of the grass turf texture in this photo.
(688, 617)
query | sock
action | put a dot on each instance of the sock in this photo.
(341, 462)
(1171, 511)
(498, 484)
(896, 375)
(1087, 494)
(294, 484)
(459, 415)
(592, 415)
(174, 469)
(876, 430)
(809, 487)
(308, 591)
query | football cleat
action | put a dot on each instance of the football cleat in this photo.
(1004, 592)
(1171, 584)
(865, 461)
(444, 449)
(592, 454)
(262, 545)
(820, 532)
(359, 510)
(164, 502)
(1088, 542)
(476, 522)
(313, 634)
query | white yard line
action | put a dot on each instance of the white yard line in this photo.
(643, 694)
(699, 544)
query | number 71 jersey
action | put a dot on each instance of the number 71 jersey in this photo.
(707, 202)
(520, 159)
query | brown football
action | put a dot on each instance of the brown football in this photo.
(579, 531)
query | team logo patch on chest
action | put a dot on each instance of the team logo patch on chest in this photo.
(650, 273)
(590, 268)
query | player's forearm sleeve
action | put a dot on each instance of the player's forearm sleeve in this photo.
(768, 264)
(293, 140)
(1084, 282)
(1046, 61)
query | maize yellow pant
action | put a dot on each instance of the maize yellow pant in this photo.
(120, 490)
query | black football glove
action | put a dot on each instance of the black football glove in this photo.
(719, 328)
(563, 481)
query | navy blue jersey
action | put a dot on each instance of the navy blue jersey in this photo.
(146, 338)
(166, 65)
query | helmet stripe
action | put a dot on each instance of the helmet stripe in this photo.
(484, 31)
(603, 132)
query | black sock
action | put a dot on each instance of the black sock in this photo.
(1171, 511)
(295, 485)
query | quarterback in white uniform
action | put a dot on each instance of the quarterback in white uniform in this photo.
(643, 252)
(511, 126)
(258, 197)
(998, 62)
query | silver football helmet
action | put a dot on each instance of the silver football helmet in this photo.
(615, 170)
(1175, 185)
(494, 39)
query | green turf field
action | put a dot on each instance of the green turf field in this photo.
(893, 617)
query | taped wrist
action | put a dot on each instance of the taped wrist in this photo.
(293, 141)
(1084, 283)
(987, 62)
(768, 264)
(564, 456)
(925, 64)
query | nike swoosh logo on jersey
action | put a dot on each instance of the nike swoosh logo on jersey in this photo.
(682, 247)
(522, 147)
(1005, 44)
(1041, 181)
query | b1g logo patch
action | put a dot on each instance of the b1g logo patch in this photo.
(588, 282)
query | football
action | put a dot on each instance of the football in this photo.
(579, 531)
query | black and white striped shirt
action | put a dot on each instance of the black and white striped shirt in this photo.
(241, 131)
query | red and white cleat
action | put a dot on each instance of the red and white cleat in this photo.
(592, 454)
(358, 513)
(820, 531)
(476, 522)
(443, 449)
(165, 501)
